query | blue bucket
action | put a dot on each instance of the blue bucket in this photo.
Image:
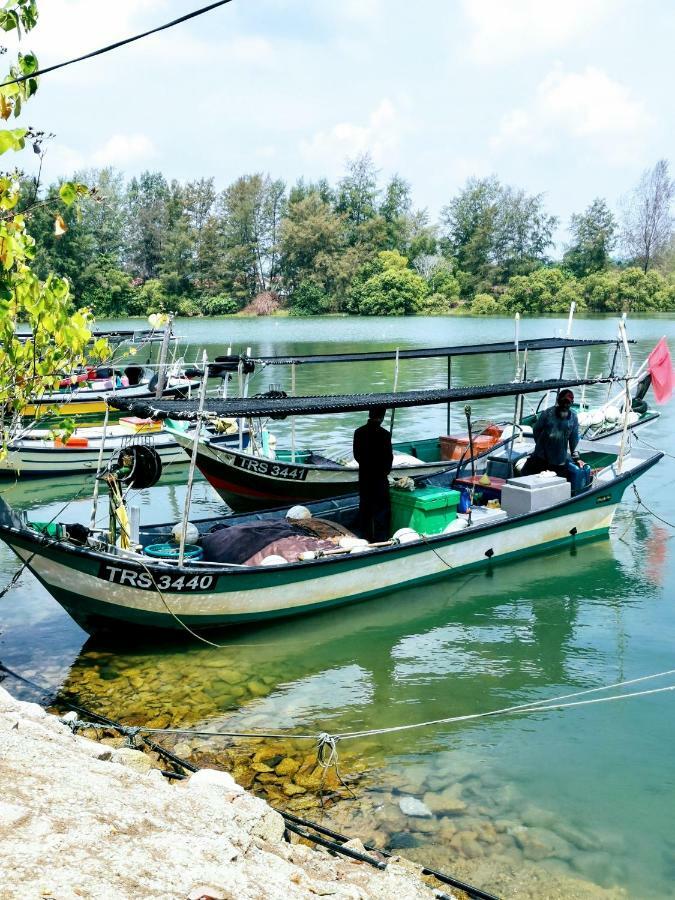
(172, 551)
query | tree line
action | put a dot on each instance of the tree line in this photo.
(357, 246)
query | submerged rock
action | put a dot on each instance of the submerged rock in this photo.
(411, 806)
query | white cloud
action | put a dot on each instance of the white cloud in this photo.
(588, 106)
(68, 28)
(380, 137)
(358, 10)
(504, 30)
(122, 149)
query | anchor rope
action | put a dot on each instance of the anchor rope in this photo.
(651, 512)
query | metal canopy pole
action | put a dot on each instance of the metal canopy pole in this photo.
(393, 411)
(161, 374)
(570, 319)
(449, 416)
(293, 417)
(583, 390)
(627, 406)
(94, 499)
(193, 461)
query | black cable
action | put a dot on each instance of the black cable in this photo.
(117, 44)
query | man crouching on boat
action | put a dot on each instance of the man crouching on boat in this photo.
(556, 436)
(372, 451)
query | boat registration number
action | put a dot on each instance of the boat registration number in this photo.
(165, 582)
(273, 469)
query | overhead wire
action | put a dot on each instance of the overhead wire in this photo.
(130, 40)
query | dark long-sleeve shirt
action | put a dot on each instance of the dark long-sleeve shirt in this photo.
(555, 438)
(373, 453)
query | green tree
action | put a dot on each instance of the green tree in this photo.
(468, 231)
(251, 212)
(593, 239)
(175, 267)
(357, 195)
(199, 199)
(146, 224)
(312, 237)
(523, 232)
(493, 232)
(647, 216)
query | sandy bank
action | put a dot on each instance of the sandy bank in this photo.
(81, 820)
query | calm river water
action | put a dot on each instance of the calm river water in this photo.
(563, 803)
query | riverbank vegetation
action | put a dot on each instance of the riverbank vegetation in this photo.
(356, 247)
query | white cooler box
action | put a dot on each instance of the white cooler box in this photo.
(532, 493)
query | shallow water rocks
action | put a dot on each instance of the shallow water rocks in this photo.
(411, 806)
(447, 802)
(540, 843)
(78, 826)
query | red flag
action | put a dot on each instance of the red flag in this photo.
(661, 369)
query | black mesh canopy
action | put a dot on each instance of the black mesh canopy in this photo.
(254, 407)
(432, 352)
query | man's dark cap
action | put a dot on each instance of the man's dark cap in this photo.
(566, 396)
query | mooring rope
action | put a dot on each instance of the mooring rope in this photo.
(651, 512)
(329, 741)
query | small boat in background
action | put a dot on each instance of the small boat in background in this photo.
(87, 392)
(42, 453)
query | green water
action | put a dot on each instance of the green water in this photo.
(585, 793)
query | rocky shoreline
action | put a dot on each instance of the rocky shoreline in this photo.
(81, 819)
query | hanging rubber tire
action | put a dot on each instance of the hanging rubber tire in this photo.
(138, 466)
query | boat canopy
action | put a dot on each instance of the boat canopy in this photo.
(114, 335)
(414, 353)
(278, 405)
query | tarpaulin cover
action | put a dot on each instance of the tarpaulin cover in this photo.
(237, 543)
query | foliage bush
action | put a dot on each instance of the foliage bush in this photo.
(151, 297)
(486, 305)
(546, 290)
(442, 281)
(308, 299)
(391, 290)
(437, 305)
(221, 305)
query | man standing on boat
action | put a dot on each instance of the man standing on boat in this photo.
(556, 436)
(372, 451)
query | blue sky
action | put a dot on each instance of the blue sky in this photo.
(568, 97)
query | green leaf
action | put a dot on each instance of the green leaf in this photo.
(28, 63)
(12, 139)
(68, 193)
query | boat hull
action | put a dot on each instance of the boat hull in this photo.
(243, 480)
(104, 592)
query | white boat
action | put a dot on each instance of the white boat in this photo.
(152, 584)
(40, 453)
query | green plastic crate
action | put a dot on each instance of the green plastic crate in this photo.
(302, 457)
(428, 510)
